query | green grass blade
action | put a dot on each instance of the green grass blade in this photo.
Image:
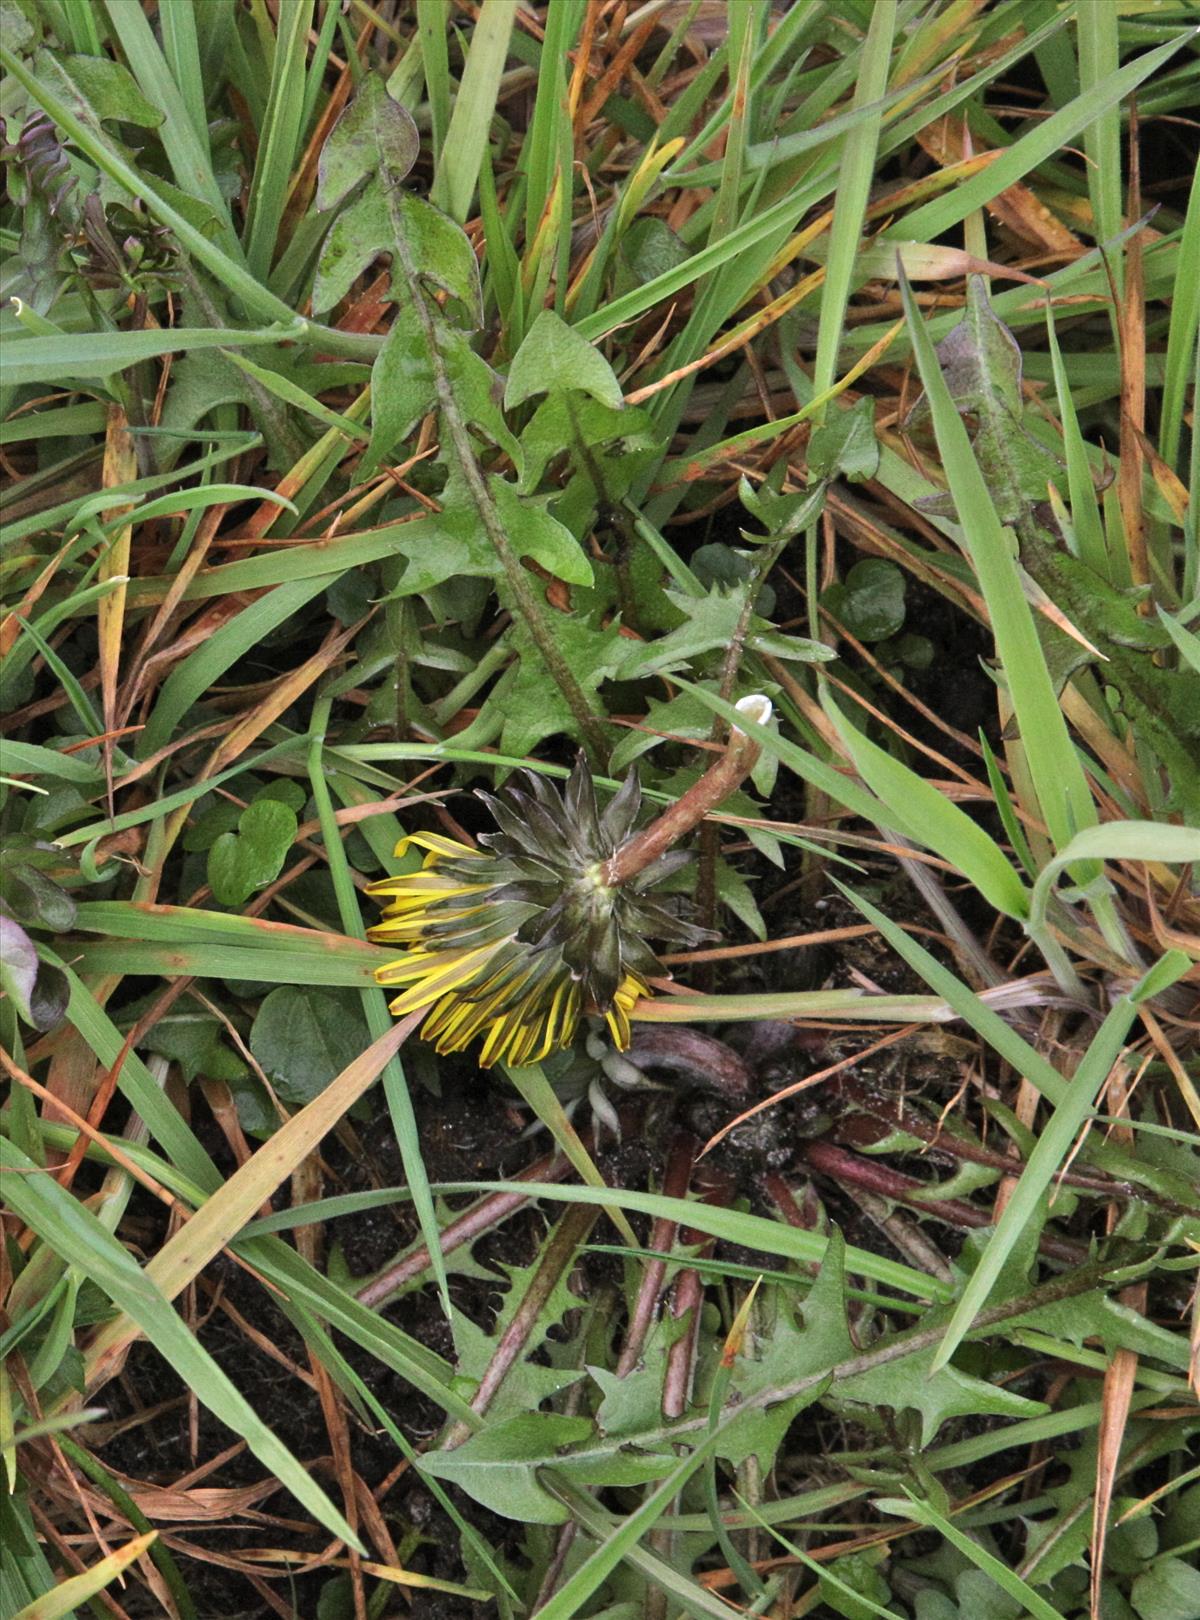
(185, 145)
(853, 190)
(1085, 511)
(279, 138)
(1038, 145)
(745, 22)
(81, 1588)
(98, 354)
(81, 837)
(1097, 32)
(264, 965)
(309, 1290)
(1005, 810)
(460, 155)
(1182, 334)
(1186, 640)
(1191, 527)
(1064, 799)
(188, 926)
(227, 268)
(926, 816)
(540, 149)
(292, 394)
(545, 1102)
(624, 1536)
(1049, 1154)
(757, 227)
(82, 23)
(787, 43)
(807, 766)
(732, 1225)
(193, 677)
(314, 88)
(74, 514)
(71, 1230)
(87, 417)
(435, 61)
(1001, 1036)
(79, 700)
(222, 1216)
(503, 282)
(692, 1600)
(828, 1581)
(124, 1503)
(135, 1082)
(1031, 1603)
(682, 114)
(375, 1009)
(1120, 841)
(65, 1137)
(33, 759)
(181, 47)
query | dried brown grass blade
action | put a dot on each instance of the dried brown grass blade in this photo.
(1119, 1378)
(1017, 206)
(283, 694)
(1118, 1390)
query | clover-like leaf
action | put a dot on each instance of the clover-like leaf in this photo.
(302, 1038)
(241, 862)
(869, 602)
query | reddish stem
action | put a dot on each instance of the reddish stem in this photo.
(690, 1056)
(557, 1257)
(688, 1297)
(662, 1236)
(717, 783)
(864, 1130)
(465, 1228)
(849, 1170)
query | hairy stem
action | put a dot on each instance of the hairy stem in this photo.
(717, 783)
(524, 598)
(557, 1258)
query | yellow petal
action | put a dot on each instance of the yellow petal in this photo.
(423, 888)
(629, 992)
(415, 924)
(435, 972)
(438, 845)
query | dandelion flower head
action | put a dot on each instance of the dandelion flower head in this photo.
(515, 942)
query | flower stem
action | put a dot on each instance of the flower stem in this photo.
(717, 783)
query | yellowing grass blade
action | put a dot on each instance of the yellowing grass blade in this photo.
(120, 467)
(8, 1448)
(69, 1594)
(223, 1215)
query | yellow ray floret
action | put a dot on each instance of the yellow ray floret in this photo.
(412, 891)
(521, 1000)
(617, 1017)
